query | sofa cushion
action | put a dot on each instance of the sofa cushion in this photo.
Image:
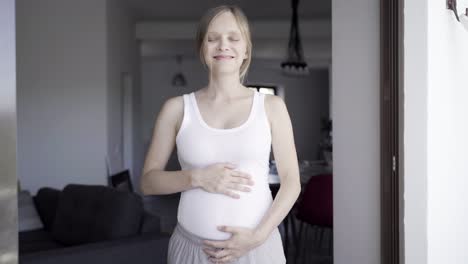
(150, 223)
(91, 213)
(28, 217)
(36, 240)
(46, 201)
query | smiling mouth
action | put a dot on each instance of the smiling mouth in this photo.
(223, 57)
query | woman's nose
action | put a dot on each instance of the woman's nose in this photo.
(223, 45)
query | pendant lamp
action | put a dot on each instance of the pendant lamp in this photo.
(295, 65)
(179, 78)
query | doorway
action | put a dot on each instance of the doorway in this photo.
(337, 110)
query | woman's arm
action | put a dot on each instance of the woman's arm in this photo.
(166, 182)
(284, 151)
(155, 180)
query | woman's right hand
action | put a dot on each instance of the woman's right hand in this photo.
(222, 178)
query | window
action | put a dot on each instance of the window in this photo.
(266, 89)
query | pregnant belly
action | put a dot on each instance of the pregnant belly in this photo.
(200, 212)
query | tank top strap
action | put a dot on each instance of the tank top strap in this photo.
(260, 105)
(261, 115)
(186, 103)
(188, 113)
(256, 104)
(261, 101)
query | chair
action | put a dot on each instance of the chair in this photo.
(122, 181)
(315, 211)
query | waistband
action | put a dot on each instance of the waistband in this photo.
(197, 240)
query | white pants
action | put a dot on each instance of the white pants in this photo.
(187, 248)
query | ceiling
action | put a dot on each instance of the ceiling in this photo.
(145, 10)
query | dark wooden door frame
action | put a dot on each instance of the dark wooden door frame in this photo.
(391, 39)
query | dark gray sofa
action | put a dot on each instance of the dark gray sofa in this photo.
(92, 224)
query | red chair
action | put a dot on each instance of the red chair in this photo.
(315, 210)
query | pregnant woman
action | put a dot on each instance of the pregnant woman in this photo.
(224, 133)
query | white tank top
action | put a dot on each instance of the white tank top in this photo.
(248, 146)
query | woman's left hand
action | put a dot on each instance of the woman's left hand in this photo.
(242, 241)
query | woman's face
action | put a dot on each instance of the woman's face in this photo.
(224, 46)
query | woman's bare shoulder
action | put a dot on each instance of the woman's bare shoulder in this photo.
(271, 99)
(174, 103)
(273, 104)
(172, 110)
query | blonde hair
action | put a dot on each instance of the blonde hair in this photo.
(243, 24)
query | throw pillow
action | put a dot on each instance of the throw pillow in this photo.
(28, 218)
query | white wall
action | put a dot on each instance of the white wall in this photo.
(435, 134)
(447, 136)
(71, 56)
(122, 57)
(355, 113)
(415, 131)
(62, 96)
